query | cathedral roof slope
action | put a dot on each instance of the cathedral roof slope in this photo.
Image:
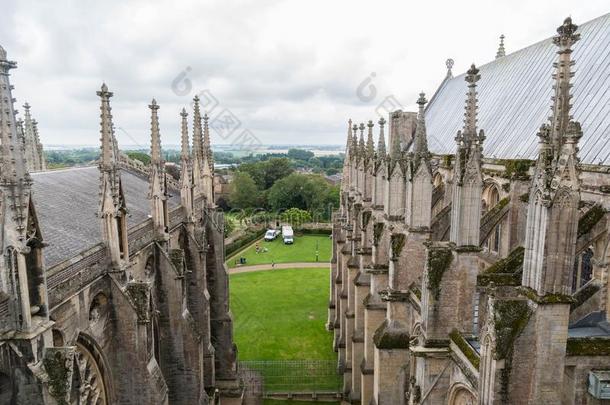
(515, 99)
(66, 204)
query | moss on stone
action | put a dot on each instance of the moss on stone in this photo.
(592, 217)
(510, 318)
(517, 169)
(57, 366)
(512, 263)
(439, 260)
(550, 298)
(525, 198)
(389, 337)
(588, 346)
(398, 242)
(465, 347)
(139, 294)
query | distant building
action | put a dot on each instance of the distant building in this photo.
(334, 179)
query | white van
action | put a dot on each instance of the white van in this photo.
(287, 234)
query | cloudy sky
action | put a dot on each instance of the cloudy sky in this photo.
(290, 72)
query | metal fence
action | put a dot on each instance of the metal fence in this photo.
(267, 378)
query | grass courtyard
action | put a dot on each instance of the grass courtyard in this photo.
(302, 250)
(281, 314)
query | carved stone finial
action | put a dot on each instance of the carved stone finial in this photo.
(370, 143)
(501, 51)
(381, 151)
(420, 147)
(449, 63)
(566, 34)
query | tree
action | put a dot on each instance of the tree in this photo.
(300, 154)
(306, 192)
(266, 173)
(141, 156)
(243, 191)
(296, 216)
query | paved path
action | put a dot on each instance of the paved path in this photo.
(278, 266)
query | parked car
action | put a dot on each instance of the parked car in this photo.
(287, 234)
(271, 234)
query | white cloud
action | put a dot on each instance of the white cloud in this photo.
(288, 70)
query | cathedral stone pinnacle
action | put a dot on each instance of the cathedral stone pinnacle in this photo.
(381, 152)
(501, 51)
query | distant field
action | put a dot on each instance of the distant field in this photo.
(281, 315)
(302, 250)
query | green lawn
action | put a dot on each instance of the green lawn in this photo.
(281, 314)
(302, 250)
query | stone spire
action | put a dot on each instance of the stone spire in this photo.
(420, 145)
(197, 162)
(107, 158)
(185, 154)
(14, 177)
(21, 240)
(348, 145)
(155, 136)
(381, 152)
(370, 143)
(157, 190)
(112, 209)
(467, 172)
(207, 164)
(186, 185)
(197, 132)
(361, 144)
(555, 191)
(29, 138)
(346, 181)
(354, 146)
(207, 145)
(561, 119)
(501, 51)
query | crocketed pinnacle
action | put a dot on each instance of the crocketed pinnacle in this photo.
(381, 152)
(155, 136)
(501, 51)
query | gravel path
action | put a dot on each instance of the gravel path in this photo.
(278, 266)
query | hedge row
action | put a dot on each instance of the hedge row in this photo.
(248, 238)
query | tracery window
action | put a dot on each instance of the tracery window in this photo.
(583, 268)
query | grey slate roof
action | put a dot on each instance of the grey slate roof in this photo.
(66, 203)
(515, 99)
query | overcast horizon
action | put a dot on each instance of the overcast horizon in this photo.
(289, 72)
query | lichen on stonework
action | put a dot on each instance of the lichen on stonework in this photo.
(510, 318)
(138, 292)
(517, 169)
(439, 260)
(465, 347)
(588, 346)
(397, 242)
(377, 231)
(57, 368)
